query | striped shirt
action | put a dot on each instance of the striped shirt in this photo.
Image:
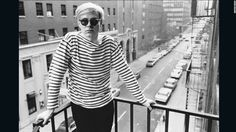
(89, 66)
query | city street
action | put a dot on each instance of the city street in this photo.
(152, 79)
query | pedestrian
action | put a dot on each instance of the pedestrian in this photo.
(89, 57)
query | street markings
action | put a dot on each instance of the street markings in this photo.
(122, 115)
(119, 118)
(153, 80)
(161, 70)
(147, 86)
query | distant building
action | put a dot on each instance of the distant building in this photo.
(151, 22)
(178, 13)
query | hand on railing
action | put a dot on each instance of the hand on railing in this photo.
(37, 125)
(149, 103)
(44, 117)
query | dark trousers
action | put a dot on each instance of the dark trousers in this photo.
(93, 120)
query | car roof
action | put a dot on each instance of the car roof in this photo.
(164, 90)
(171, 79)
(182, 61)
(177, 70)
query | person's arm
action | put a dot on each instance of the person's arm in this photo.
(57, 70)
(122, 68)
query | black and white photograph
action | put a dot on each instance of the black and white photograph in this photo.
(119, 65)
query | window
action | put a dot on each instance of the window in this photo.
(49, 10)
(41, 34)
(51, 33)
(108, 10)
(114, 11)
(64, 30)
(74, 9)
(31, 102)
(109, 27)
(49, 60)
(23, 37)
(39, 9)
(77, 28)
(103, 27)
(27, 68)
(63, 10)
(21, 8)
(114, 26)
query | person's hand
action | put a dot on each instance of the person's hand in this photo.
(45, 116)
(148, 104)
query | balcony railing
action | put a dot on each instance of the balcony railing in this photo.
(167, 109)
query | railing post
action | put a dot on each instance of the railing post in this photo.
(53, 124)
(148, 119)
(209, 125)
(167, 121)
(66, 120)
(131, 117)
(186, 122)
(116, 124)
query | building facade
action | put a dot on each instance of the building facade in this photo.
(178, 13)
(34, 62)
(44, 20)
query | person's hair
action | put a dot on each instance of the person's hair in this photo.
(98, 9)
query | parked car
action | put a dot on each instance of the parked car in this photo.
(115, 92)
(176, 73)
(187, 55)
(171, 83)
(153, 61)
(163, 95)
(163, 52)
(182, 65)
(179, 66)
(71, 125)
(150, 63)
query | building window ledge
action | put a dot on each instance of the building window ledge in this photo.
(40, 16)
(22, 16)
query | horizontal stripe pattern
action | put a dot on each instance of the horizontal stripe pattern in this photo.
(89, 66)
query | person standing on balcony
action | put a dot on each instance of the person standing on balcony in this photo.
(89, 57)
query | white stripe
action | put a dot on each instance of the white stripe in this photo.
(147, 86)
(161, 70)
(119, 118)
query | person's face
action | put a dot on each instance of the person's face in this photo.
(89, 23)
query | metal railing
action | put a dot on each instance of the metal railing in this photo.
(167, 110)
